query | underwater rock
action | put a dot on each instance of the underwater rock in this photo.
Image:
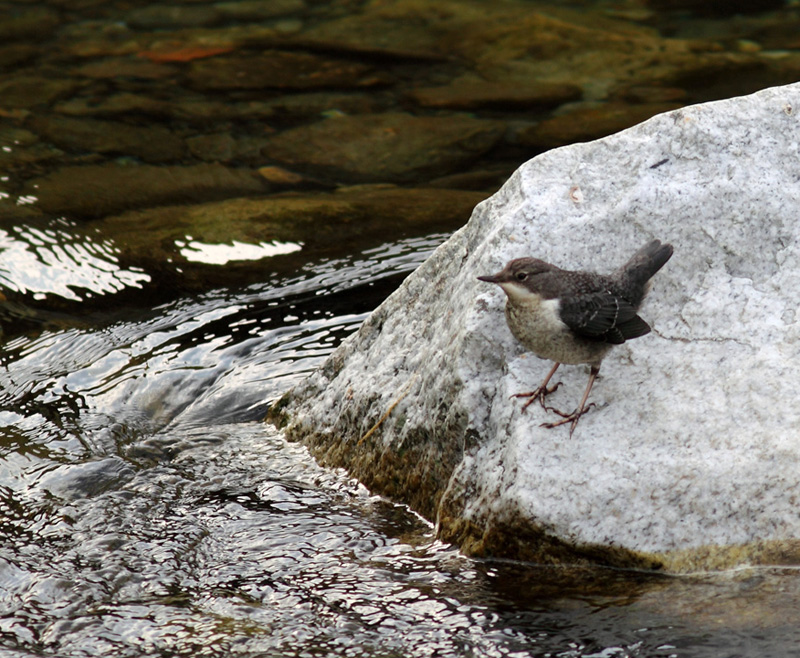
(324, 224)
(192, 109)
(25, 90)
(151, 143)
(111, 188)
(155, 16)
(257, 10)
(280, 69)
(37, 22)
(690, 458)
(587, 123)
(470, 95)
(392, 147)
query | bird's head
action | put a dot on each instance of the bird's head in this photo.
(521, 278)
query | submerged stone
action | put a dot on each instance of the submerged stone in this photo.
(172, 243)
(194, 109)
(27, 91)
(689, 459)
(157, 16)
(110, 188)
(151, 143)
(586, 123)
(33, 23)
(391, 147)
(321, 221)
(14, 55)
(281, 70)
(258, 10)
(223, 147)
(125, 67)
(465, 95)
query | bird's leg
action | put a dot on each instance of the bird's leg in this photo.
(541, 392)
(574, 417)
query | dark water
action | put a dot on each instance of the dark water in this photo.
(145, 509)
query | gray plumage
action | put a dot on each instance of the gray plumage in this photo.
(577, 317)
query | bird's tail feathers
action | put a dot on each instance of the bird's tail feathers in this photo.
(646, 262)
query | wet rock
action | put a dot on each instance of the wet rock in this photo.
(194, 109)
(14, 214)
(104, 39)
(11, 136)
(651, 94)
(325, 224)
(121, 104)
(153, 17)
(721, 75)
(20, 150)
(223, 147)
(689, 460)
(21, 24)
(321, 221)
(212, 148)
(149, 143)
(297, 107)
(512, 45)
(111, 188)
(280, 177)
(279, 69)
(716, 8)
(19, 160)
(171, 52)
(16, 54)
(490, 178)
(588, 123)
(125, 67)
(470, 95)
(257, 10)
(392, 147)
(401, 30)
(29, 91)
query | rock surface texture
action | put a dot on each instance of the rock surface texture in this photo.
(690, 458)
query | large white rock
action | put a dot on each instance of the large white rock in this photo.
(691, 458)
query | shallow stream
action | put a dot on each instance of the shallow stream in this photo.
(169, 267)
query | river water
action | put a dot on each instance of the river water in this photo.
(148, 512)
(145, 508)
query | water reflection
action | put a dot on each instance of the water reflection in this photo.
(220, 254)
(59, 259)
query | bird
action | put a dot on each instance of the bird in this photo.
(576, 317)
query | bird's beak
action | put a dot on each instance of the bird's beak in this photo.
(490, 278)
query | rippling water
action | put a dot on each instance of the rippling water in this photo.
(148, 512)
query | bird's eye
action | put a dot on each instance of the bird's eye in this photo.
(521, 276)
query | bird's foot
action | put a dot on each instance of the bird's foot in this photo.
(573, 418)
(537, 394)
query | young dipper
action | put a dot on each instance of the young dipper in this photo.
(576, 317)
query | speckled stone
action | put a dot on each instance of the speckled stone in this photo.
(690, 458)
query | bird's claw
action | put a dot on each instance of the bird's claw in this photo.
(538, 394)
(572, 418)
